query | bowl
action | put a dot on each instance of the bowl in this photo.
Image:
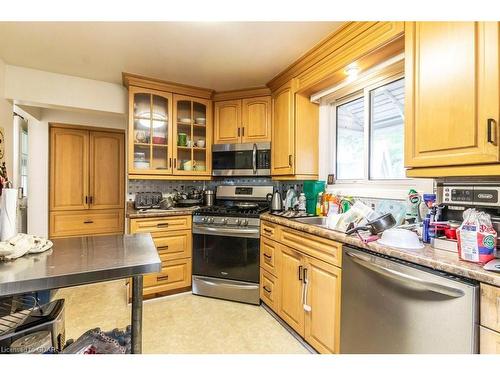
(401, 238)
(185, 120)
(141, 164)
(200, 143)
(200, 120)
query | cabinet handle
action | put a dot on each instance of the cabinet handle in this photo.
(160, 278)
(289, 160)
(238, 132)
(266, 289)
(268, 230)
(88, 221)
(305, 276)
(175, 162)
(170, 162)
(86, 199)
(243, 131)
(162, 225)
(300, 273)
(268, 256)
(491, 126)
(91, 199)
(162, 248)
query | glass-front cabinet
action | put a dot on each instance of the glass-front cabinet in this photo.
(192, 136)
(169, 134)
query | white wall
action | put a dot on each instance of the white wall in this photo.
(45, 89)
(38, 159)
(6, 119)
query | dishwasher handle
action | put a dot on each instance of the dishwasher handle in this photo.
(406, 279)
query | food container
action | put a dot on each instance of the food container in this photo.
(401, 238)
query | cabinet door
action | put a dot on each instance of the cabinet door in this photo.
(256, 120)
(227, 122)
(283, 132)
(322, 322)
(69, 169)
(107, 174)
(452, 93)
(150, 132)
(192, 136)
(291, 291)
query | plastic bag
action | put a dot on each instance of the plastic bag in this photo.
(477, 239)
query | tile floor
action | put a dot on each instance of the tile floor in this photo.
(179, 324)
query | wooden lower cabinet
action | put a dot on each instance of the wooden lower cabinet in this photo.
(85, 222)
(302, 289)
(173, 240)
(489, 341)
(322, 322)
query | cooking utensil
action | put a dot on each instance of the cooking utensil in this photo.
(246, 205)
(209, 197)
(188, 202)
(275, 202)
(376, 226)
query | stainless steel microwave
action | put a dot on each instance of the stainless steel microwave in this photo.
(241, 159)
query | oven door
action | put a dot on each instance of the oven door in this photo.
(226, 253)
(241, 159)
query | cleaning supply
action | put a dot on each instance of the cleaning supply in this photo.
(425, 229)
(319, 203)
(311, 190)
(302, 202)
(412, 204)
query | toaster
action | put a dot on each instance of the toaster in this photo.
(145, 200)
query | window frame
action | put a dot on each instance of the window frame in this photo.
(357, 89)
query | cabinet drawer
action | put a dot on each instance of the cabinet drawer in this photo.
(173, 245)
(174, 274)
(159, 224)
(489, 341)
(268, 255)
(268, 230)
(85, 223)
(269, 289)
(317, 247)
(490, 307)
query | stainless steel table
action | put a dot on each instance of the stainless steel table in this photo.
(86, 260)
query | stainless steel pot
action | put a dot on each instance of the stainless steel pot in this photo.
(209, 197)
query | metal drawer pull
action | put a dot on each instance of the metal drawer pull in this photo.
(491, 124)
(268, 230)
(162, 225)
(268, 256)
(408, 280)
(300, 273)
(162, 247)
(160, 278)
(266, 289)
(88, 221)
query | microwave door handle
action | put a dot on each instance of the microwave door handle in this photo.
(405, 279)
(254, 158)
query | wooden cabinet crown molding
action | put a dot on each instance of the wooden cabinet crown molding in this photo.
(345, 45)
(136, 80)
(241, 94)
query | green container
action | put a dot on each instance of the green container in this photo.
(182, 139)
(311, 190)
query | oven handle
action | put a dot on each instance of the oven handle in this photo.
(227, 285)
(254, 159)
(231, 232)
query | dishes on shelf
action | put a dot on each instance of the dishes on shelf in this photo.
(182, 139)
(159, 140)
(141, 165)
(200, 120)
(187, 165)
(200, 143)
(185, 120)
(141, 136)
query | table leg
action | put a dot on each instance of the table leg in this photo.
(137, 314)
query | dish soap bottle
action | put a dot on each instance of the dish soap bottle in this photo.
(319, 204)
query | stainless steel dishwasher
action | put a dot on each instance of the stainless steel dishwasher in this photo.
(392, 306)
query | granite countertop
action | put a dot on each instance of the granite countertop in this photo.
(428, 256)
(132, 213)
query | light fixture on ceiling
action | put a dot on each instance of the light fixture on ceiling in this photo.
(352, 72)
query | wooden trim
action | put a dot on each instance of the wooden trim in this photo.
(168, 177)
(342, 41)
(295, 177)
(137, 80)
(85, 127)
(455, 171)
(241, 93)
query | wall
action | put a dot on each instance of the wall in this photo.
(6, 119)
(38, 159)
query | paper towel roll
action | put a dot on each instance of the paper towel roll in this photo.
(8, 214)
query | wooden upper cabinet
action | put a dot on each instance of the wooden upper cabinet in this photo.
(69, 169)
(256, 120)
(322, 322)
(107, 170)
(283, 131)
(452, 93)
(227, 122)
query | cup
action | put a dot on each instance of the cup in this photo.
(200, 143)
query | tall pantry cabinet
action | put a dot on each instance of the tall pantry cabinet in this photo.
(86, 181)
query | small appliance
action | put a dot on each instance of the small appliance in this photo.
(146, 200)
(241, 159)
(276, 202)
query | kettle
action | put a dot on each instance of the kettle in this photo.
(276, 203)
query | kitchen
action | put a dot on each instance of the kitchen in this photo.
(346, 200)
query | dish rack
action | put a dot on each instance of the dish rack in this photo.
(14, 311)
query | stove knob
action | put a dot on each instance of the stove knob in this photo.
(237, 222)
(224, 221)
(203, 219)
(244, 222)
(210, 220)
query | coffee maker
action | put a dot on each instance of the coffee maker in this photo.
(456, 196)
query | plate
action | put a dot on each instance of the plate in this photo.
(380, 242)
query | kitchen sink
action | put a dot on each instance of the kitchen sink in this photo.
(315, 220)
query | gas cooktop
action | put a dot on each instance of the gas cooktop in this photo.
(231, 211)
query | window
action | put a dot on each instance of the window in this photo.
(370, 132)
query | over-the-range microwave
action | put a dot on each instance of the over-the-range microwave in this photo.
(241, 159)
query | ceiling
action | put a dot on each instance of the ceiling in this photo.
(217, 55)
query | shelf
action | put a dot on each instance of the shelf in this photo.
(197, 126)
(191, 148)
(142, 144)
(159, 145)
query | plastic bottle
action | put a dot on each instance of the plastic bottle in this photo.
(412, 205)
(302, 202)
(425, 229)
(319, 201)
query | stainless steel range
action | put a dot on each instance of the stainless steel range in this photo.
(226, 244)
